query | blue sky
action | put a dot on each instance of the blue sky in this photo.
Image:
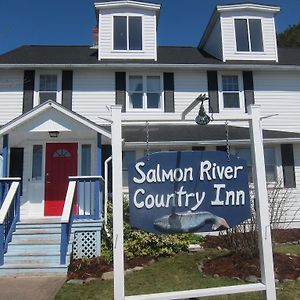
(66, 22)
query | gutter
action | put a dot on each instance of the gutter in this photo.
(272, 141)
(126, 66)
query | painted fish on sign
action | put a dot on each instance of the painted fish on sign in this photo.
(179, 192)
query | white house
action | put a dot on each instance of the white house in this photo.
(54, 101)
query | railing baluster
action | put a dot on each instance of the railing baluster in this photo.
(90, 194)
(84, 198)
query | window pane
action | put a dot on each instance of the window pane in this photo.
(86, 159)
(120, 33)
(270, 173)
(136, 83)
(48, 83)
(256, 35)
(37, 157)
(136, 100)
(230, 83)
(244, 153)
(135, 33)
(241, 35)
(269, 154)
(153, 84)
(153, 100)
(231, 100)
(45, 96)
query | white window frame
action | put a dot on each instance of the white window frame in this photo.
(144, 109)
(36, 98)
(248, 33)
(278, 165)
(241, 92)
(127, 24)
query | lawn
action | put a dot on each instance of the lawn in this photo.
(175, 273)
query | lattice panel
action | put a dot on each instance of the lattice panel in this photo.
(86, 244)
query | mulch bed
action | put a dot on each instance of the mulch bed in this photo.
(95, 267)
(286, 267)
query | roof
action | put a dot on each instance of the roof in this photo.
(199, 135)
(58, 107)
(84, 55)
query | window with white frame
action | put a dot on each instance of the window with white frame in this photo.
(37, 160)
(270, 162)
(144, 92)
(231, 94)
(128, 33)
(248, 35)
(48, 87)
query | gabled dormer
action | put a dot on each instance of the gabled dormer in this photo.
(242, 32)
(127, 30)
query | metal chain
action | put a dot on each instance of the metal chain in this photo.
(147, 140)
(227, 141)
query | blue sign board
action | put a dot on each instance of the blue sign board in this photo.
(179, 192)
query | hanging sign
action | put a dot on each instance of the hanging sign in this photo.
(179, 192)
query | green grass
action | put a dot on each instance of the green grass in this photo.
(292, 249)
(169, 274)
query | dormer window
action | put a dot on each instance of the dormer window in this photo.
(248, 35)
(127, 33)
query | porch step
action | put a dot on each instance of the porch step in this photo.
(35, 250)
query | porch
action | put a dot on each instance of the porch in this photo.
(51, 190)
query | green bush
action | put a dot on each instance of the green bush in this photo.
(140, 243)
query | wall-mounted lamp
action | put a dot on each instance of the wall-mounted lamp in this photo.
(53, 134)
(202, 118)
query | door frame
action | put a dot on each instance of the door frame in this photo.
(26, 211)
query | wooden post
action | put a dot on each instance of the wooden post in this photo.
(5, 156)
(98, 194)
(262, 207)
(118, 255)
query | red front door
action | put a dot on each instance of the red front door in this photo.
(61, 162)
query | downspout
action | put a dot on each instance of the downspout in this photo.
(106, 193)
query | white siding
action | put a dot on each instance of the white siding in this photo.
(106, 35)
(188, 86)
(279, 93)
(229, 42)
(213, 45)
(92, 92)
(11, 95)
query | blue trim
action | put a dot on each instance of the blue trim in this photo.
(5, 155)
(99, 154)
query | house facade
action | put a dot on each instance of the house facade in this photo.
(55, 100)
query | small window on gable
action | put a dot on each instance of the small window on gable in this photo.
(128, 33)
(248, 34)
(231, 94)
(48, 87)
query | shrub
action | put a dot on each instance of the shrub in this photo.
(140, 243)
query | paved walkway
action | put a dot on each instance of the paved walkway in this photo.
(30, 288)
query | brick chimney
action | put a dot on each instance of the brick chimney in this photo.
(95, 36)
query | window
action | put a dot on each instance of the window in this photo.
(231, 92)
(145, 92)
(48, 87)
(86, 160)
(128, 33)
(248, 35)
(37, 157)
(270, 162)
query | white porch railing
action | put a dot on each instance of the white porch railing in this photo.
(83, 201)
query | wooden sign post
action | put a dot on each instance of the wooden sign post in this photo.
(264, 231)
